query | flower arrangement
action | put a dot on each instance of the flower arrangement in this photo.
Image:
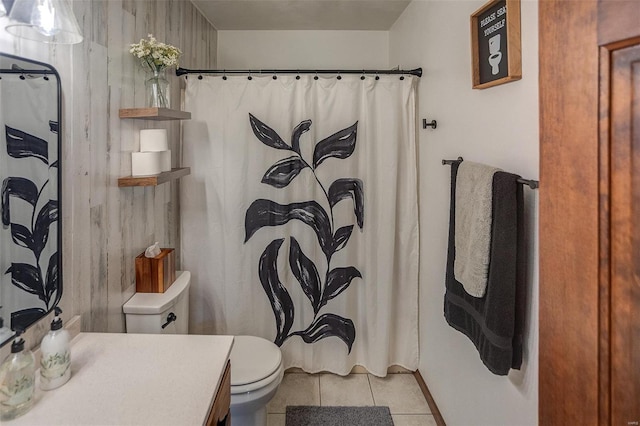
(155, 56)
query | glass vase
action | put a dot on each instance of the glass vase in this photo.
(157, 87)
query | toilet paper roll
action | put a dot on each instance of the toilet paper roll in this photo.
(166, 160)
(146, 163)
(153, 140)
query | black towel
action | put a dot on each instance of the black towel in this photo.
(495, 322)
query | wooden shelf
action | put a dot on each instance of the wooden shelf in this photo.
(154, 180)
(157, 114)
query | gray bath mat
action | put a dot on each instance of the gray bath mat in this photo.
(306, 415)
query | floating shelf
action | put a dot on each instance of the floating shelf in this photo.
(157, 114)
(154, 180)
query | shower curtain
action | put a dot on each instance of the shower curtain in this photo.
(29, 284)
(300, 216)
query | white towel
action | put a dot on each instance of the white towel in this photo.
(474, 185)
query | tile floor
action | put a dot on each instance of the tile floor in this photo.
(399, 392)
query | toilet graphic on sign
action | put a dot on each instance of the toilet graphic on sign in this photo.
(495, 55)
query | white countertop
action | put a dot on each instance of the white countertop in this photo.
(135, 379)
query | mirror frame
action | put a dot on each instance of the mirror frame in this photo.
(47, 69)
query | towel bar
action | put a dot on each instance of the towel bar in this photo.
(533, 184)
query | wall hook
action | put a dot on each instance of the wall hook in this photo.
(433, 124)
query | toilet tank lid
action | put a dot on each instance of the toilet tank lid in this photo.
(156, 303)
(253, 359)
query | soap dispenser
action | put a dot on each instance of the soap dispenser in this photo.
(55, 364)
(17, 380)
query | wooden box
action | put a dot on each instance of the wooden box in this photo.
(156, 274)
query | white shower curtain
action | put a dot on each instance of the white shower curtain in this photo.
(29, 186)
(300, 217)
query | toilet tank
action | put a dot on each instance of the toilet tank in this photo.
(160, 313)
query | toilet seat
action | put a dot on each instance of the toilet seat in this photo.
(255, 362)
(251, 387)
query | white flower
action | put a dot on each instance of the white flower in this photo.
(154, 55)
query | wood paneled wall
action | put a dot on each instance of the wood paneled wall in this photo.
(104, 226)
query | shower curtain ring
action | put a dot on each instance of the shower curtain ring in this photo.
(362, 76)
(224, 74)
(377, 76)
(275, 77)
(249, 78)
(402, 77)
(298, 76)
(339, 76)
(316, 76)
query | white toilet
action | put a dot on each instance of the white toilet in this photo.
(256, 363)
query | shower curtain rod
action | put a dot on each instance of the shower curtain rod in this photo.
(533, 184)
(417, 72)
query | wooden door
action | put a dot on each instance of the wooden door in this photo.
(624, 140)
(589, 212)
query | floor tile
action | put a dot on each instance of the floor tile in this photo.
(352, 390)
(400, 392)
(295, 389)
(413, 420)
(396, 369)
(277, 419)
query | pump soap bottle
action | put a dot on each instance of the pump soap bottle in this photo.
(55, 364)
(17, 380)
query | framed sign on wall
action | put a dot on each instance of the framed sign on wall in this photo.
(495, 43)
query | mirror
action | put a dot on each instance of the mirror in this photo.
(31, 232)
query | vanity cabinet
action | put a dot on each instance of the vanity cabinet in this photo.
(220, 414)
(155, 114)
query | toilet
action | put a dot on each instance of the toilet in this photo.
(495, 55)
(256, 363)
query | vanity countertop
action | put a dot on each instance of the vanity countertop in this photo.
(135, 379)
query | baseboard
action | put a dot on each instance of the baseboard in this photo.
(427, 395)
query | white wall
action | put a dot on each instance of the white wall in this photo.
(302, 49)
(498, 126)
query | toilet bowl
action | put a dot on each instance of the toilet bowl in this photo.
(256, 373)
(256, 363)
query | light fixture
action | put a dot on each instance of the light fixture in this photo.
(48, 21)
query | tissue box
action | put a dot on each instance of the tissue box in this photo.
(156, 274)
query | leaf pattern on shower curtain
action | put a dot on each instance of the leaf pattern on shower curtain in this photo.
(34, 235)
(262, 213)
(278, 295)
